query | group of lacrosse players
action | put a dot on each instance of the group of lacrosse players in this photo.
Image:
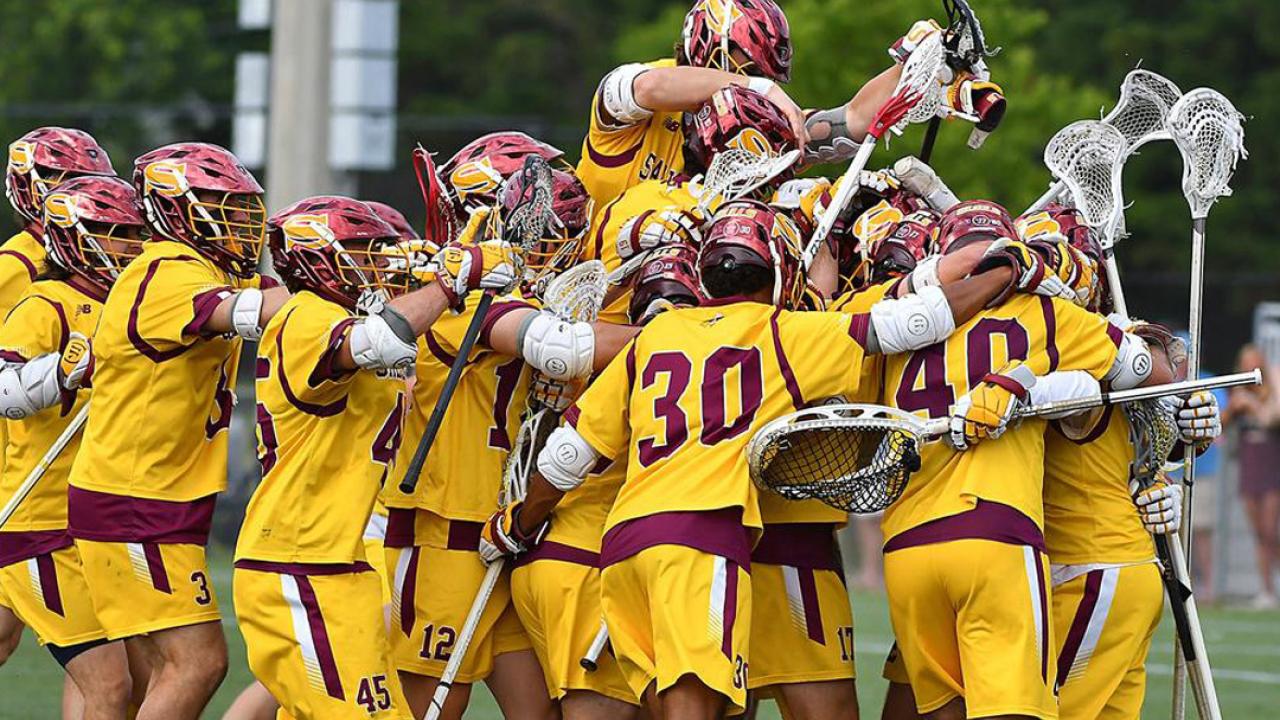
(514, 448)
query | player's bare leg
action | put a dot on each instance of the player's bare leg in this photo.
(191, 663)
(587, 705)
(689, 699)
(10, 633)
(899, 703)
(518, 686)
(418, 690)
(819, 700)
(72, 700)
(101, 675)
(253, 703)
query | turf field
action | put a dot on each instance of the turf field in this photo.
(1245, 647)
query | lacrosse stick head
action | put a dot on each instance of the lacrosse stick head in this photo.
(1209, 132)
(965, 43)
(736, 173)
(526, 204)
(523, 459)
(442, 222)
(736, 117)
(919, 95)
(1088, 156)
(1153, 430)
(854, 457)
(576, 294)
(1143, 108)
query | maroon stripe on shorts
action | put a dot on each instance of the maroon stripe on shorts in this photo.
(730, 611)
(155, 566)
(784, 365)
(20, 545)
(400, 528)
(49, 583)
(1079, 624)
(408, 607)
(1044, 618)
(464, 535)
(320, 637)
(812, 610)
(558, 551)
(309, 569)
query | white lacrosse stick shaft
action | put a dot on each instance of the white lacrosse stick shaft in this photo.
(42, 467)
(591, 659)
(464, 639)
(1206, 694)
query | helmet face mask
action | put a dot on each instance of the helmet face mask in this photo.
(235, 222)
(747, 37)
(92, 229)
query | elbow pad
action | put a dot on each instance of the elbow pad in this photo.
(29, 388)
(1063, 385)
(1133, 363)
(910, 323)
(560, 349)
(617, 94)
(246, 314)
(384, 341)
(566, 459)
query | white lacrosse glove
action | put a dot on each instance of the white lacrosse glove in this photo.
(905, 45)
(555, 394)
(1199, 419)
(984, 412)
(659, 228)
(1159, 506)
(1031, 275)
(501, 537)
(880, 181)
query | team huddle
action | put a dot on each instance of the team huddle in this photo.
(1019, 561)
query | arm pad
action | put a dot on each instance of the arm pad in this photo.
(563, 350)
(617, 95)
(29, 388)
(384, 341)
(246, 314)
(1132, 365)
(910, 323)
(566, 458)
(1063, 385)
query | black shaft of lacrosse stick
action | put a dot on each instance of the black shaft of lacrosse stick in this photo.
(410, 481)
(930, 137)
(1178, 594)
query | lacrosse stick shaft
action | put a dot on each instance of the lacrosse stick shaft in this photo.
(930, 137)
(1113, 284)
(410, 481)
(591, 660)
(1049, 196)
(844, 195)
(42, 467)
(487, 585)
(1190, 640)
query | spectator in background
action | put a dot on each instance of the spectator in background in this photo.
(1256, 409)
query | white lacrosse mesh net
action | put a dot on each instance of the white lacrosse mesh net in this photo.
(577, 293)
(920, 77)
(733, 173)
(1145, 101)
(526, 223)
(1087, 156)
(1153, 431)
(1209, 132)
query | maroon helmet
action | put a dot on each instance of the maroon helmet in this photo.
(737, 117)
(46, 156)
(561, 245)
(671, 275)
(971, 221)
(339, 249)
(909, 243)
(474, 173)
(394, 218)
(93, 228)
(756, 29)
(750, 233)
(200, 194)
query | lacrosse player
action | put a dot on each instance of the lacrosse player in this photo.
(475, 173)
(154, 455)
(93, 229)
(972, 639)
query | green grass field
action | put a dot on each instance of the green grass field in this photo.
(1244, 646)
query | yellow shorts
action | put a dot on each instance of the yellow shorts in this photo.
(139, 588)
(972, 620)
(376, 554)
(895, 671)
(48, 594)
(559, 605)
(1105, 620)
(318, 643)
(674, 611)
(431, 596)
(806, 628)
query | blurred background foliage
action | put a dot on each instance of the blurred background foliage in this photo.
(138, 73)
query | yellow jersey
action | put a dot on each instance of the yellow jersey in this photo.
(1089, 516)
(617, 156)
(163, 390)
(1047, 335)
(326, 439)
(40, 323)
(463, 472)
(689, 392)
(21, 262)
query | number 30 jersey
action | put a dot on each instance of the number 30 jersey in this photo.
(326, 439)
(1048, 335)
(695, 385)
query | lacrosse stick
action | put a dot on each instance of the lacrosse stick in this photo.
(523, 226)
(591, 660)
(1140, 115)
(917, 98)
(441, 224)
(1209, 133)
(858, 458)
(42, 467)
(1154, 432)
(1087, 157)
(966, 46)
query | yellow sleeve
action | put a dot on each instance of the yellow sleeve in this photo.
(1082, 340)
(174, 300)
(305, 350)
(823, 350)
(601, 416)
(36, 326)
